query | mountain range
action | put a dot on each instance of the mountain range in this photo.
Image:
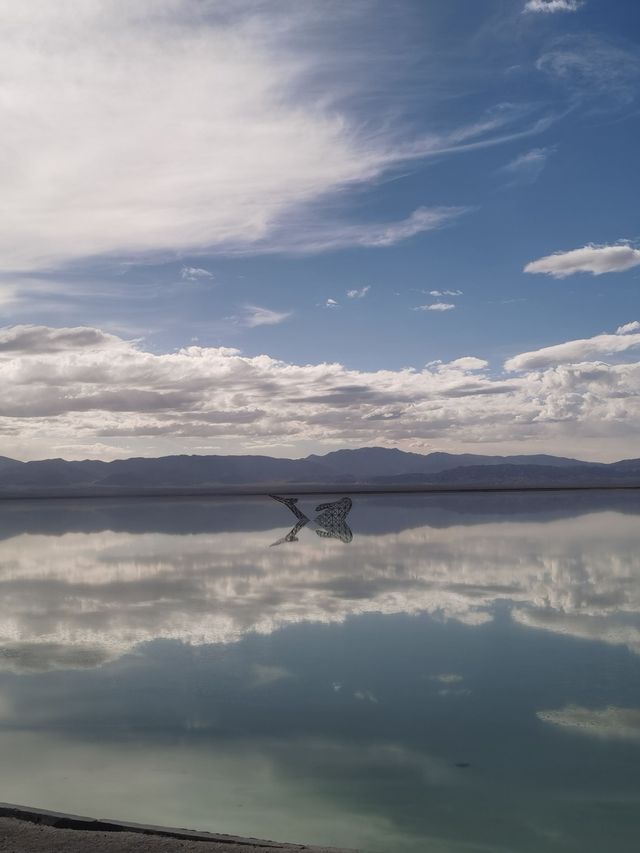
(367, 468)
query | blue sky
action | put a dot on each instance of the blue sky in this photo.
(360, 184)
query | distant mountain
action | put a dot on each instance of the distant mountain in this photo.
(364, 467)
(167, 471)
(391, 462)
(520, 476)
(4, 461)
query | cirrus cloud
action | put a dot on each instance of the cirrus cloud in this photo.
(527, 167)
(263, 129)
(593, 70)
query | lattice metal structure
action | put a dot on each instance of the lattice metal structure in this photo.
(331, 523)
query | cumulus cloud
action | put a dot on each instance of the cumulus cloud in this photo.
(592, 258)
(573, 352)
(254, 316)
(467, 362)
(331, 303)
(628, 328)
(359, 294)
(550, 6)
(445, 293)
(84, 386)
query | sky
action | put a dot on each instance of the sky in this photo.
(284, 227)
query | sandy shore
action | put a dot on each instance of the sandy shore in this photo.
(35, 831)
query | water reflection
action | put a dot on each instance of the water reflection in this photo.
(331, 523)
(92, 594)
(458, 678)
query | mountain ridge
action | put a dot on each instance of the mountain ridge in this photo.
(366, 466)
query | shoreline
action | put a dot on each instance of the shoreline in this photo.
(32, 829)
(291, 488)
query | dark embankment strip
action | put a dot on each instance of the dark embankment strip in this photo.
(61, 821)
(10, 493)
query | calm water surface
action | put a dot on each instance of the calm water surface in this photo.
(440, 673)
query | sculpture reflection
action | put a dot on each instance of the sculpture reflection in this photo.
(331, 523)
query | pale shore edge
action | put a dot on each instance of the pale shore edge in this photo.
(60, 820)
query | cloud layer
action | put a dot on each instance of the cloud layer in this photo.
(78, 387)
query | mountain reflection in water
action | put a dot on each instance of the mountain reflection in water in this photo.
(464, 676)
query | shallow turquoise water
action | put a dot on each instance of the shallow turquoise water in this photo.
(463, 675)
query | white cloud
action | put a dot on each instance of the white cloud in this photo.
(195, 274)
(467, 362)
(254, 316)
(628, 328)
(262, 126)
(331, 303)
(359, 294)
(592, 258)
(436, 306)
(84, 386)
(527, 167)
(445, 293)
(91, 167)
(550, 6)
(573, 352)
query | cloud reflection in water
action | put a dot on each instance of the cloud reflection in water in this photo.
(74, 598)
(388, 695)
